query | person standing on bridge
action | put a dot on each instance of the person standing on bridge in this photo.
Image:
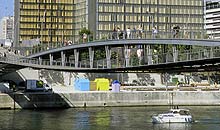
(140, 31)
(84, 37)
(176, 30)
(128, 32)
(134, 35)
(154, 32)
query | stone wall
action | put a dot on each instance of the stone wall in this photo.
(103, 99)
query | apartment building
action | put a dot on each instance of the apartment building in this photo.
(53, 21)
(6, 29)
(102, 16)
(212, 19)
(47, 21)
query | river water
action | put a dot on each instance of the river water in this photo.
(109, 118)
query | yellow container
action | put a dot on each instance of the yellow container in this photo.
(93, 86)
(102, 84)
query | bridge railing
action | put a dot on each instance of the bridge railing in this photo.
(124, 34)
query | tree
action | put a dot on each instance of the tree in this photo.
(84, 31)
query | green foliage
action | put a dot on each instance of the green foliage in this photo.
(114, 55)
(87, 32)
(99, 54)
(84, 55)
(135, 60)
(84, 30)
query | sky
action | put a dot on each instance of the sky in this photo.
(6, 8)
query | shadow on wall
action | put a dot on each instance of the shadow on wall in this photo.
(67, 78)
(144, 80)
(113, 76)
(37, 100)
(52, 76)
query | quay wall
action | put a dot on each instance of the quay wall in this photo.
(104, 99)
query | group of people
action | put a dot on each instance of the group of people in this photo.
(137, 33)
(127, 34)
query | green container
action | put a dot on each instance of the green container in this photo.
(174, 80)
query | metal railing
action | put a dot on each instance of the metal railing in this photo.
(135, 61)
(123, 34)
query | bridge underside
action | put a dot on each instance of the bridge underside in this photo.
(8, 68)
(204, 65)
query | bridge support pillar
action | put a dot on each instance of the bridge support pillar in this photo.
(211, 52)
(127, 52)
(76, 56)
(149, 55)
(40, 60)
(63, 58)
(108, 56)
(91, 57)
(51, 59)
(175, 54)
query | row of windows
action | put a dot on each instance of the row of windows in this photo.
(47, 19)
(46, 32)
(46, 6)
(48, 1)
(48, 14)
(47, 26)
(47, 38)
(137, 9)
(164, 2)
(133, 26)
(134, 18)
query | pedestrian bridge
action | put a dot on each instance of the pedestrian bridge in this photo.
(125, 55)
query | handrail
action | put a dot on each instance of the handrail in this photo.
(124, 34)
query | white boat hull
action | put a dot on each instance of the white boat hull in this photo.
(175, 119)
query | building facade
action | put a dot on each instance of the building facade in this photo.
(212, 19)
(53, 21)
(7, 30)
(103, 16)
(47, 21)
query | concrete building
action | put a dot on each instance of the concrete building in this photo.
(102, 16)
(6, 29)
(51, 21)
(54, 21)
(212, 19)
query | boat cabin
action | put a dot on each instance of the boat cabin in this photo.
(180, 111)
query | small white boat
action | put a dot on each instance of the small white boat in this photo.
(173, 116)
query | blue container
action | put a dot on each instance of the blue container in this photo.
(82, 84)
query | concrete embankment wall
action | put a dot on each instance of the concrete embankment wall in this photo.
(95, 99)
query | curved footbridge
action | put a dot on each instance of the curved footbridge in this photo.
(126, 55)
